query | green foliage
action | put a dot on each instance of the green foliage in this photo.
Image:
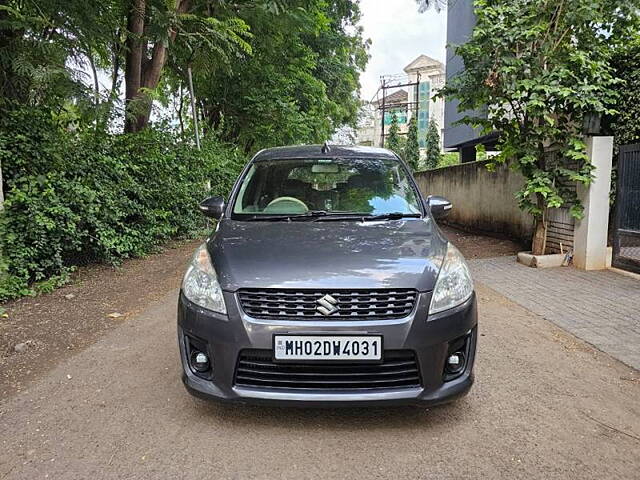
(412, 148)
(448, 159)
(433, 156)
(537, 68)
(74, 197)
(44, 46)
(266, 72)
(394, 141)
(187, 33)
(624, 124)
(300, 83)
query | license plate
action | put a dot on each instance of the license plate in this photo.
(327, 347)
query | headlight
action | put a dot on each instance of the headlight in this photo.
(200, 284)
(454, 285)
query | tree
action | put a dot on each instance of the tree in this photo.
(624, 124)
(412, 148)
(299, 85)
(537, 68)
(432, 146)
(153, 29)
(266, 72)
(43, 45)
(393, 141)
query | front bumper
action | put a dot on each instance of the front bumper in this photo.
(225, 336)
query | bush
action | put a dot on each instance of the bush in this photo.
(74, 197)
(448, 159)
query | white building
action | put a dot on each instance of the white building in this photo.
(427, 76)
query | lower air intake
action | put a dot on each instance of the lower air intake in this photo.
(398, 370)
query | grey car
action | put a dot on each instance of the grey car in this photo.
(327, 282)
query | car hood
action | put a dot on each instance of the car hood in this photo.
(345, 254)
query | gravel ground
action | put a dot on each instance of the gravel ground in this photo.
(480, 246)
(47, 329)
(545, 405)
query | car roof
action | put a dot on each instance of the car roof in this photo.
(316, 151)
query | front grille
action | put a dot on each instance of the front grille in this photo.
(256, 369)
(351, 304)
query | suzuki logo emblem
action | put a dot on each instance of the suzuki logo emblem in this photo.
(327, 305)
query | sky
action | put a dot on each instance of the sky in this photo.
(398, 34)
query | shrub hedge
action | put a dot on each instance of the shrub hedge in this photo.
(74, 197)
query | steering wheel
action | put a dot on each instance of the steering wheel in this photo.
(286, 205)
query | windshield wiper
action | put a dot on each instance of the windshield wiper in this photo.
(391, 216)
(324, 216)
(366, 217)
(311, 214)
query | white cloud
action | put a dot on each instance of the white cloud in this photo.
(399, 34)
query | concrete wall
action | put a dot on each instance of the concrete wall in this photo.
(483, 201)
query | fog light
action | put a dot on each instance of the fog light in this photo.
(200, 361)
(455, 362)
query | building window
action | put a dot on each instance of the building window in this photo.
(401, 115)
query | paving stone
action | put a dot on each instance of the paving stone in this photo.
(601, 307)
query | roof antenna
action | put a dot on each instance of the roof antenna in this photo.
(325, 148)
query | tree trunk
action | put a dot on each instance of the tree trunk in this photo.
(539, 240)
(140, 71)
(179, 111)
(133, 64)
(193, 107)
(539, 243)
(116, 50)
(96, 84)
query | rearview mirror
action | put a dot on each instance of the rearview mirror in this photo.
(212, 207)
(439, 206)
(324, 168)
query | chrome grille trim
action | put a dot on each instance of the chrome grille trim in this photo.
(352, 304)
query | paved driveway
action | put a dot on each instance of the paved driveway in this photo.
(545, 405)
(601, 307)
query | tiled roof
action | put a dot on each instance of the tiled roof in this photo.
(397, 97)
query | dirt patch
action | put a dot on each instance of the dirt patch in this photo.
(480, 246)
(40, 332)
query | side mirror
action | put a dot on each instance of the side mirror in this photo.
(439, 206)
(212, 207)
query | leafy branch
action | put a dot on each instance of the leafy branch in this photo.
(537, 68)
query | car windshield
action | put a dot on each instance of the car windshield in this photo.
(333, 186)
